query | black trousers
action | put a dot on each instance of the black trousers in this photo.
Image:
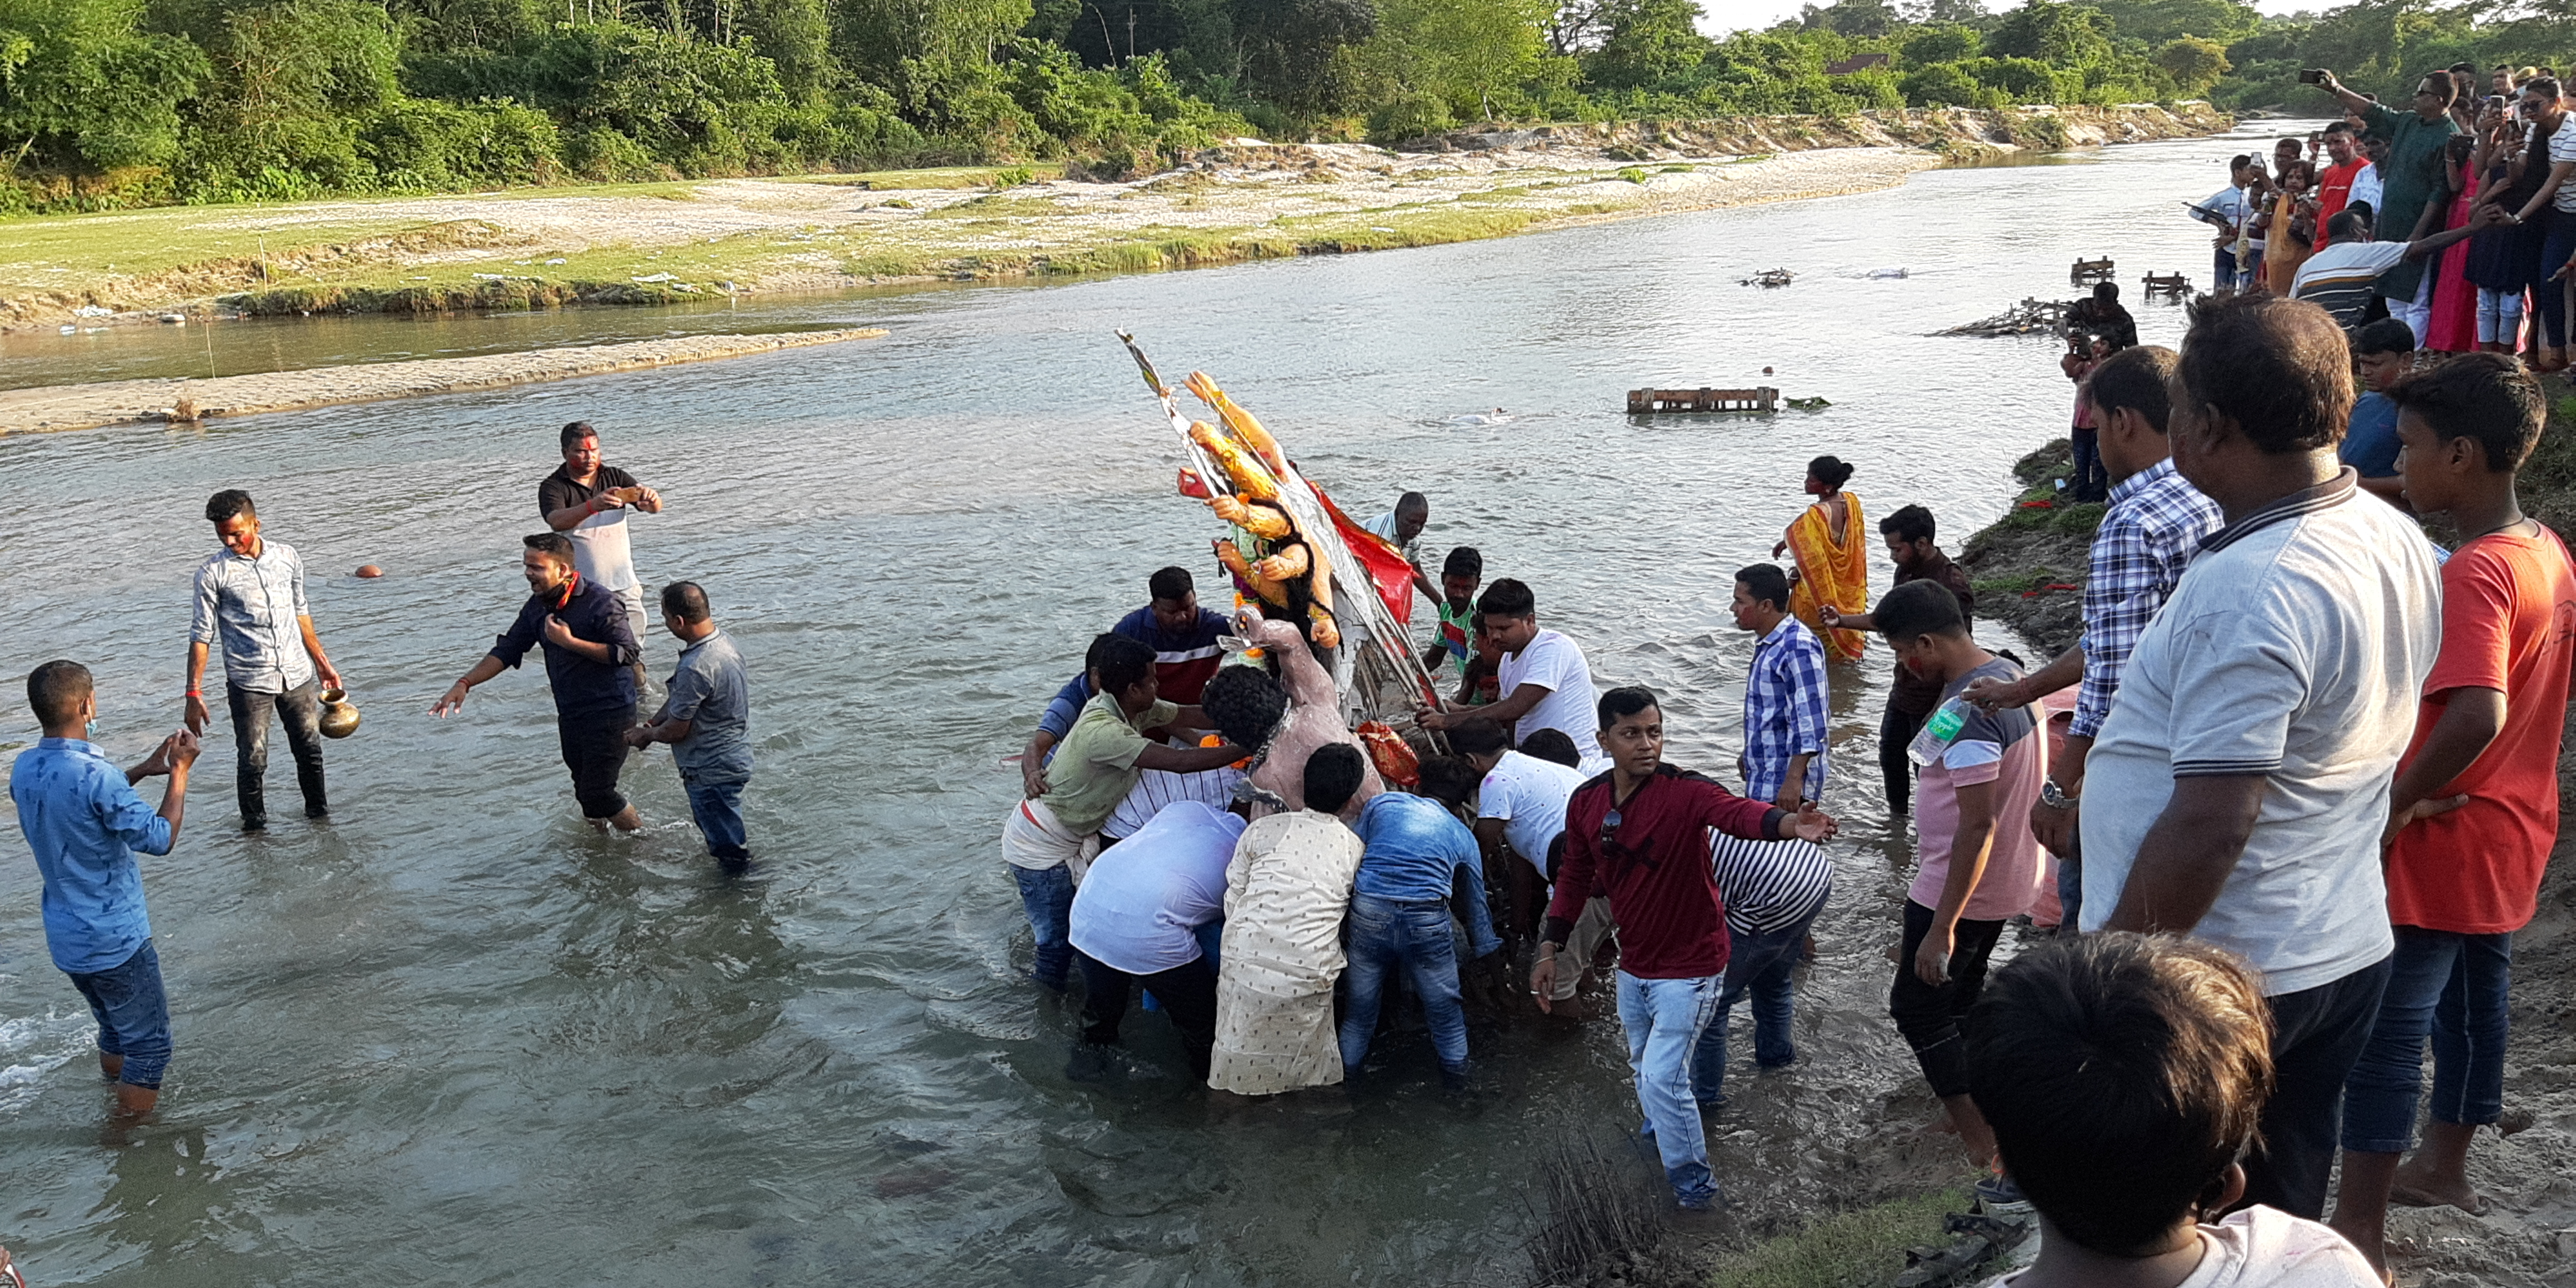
(1896, 730)
(2317, 1035)
(1187, 993)
(1929, 1017)
(300, 710)
(594, 749)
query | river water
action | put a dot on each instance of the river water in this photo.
(453, 1037)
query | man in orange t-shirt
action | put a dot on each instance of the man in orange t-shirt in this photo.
(2474, 809)
(2334, 183)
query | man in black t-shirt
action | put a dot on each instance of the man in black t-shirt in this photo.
(1913, 698)
(586, 500)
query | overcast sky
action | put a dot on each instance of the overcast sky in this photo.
(1732, 15)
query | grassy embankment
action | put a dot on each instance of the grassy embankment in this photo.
(478, 252)
(1858, 1248)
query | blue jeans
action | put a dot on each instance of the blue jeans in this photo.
(133, 1015)
(718, 809)
(1758, 965)
(1664, 1019)
(2452, 987)
(1046, 894)
(1384, 935)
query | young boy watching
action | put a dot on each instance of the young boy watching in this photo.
(2385, 352)
(1460, 575)
(1977, 867)
(2122, 1075)
(2473, 811)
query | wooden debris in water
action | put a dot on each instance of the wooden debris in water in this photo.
(2024, 318)
(1771, 277)
(2173, 284)
(2089, 270)
(1647, 402)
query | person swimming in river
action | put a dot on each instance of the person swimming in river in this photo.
(1832, 557)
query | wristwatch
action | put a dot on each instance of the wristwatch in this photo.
(2053, 798)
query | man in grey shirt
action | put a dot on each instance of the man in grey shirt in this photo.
(250, 596)
(707, 720)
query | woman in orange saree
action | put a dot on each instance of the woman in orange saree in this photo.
(1832, 553)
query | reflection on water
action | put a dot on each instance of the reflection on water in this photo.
(453, 1036)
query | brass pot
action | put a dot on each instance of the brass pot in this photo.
(339, 715)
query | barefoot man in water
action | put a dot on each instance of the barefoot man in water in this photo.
(586, 500)
(80, 815)
(590, 665)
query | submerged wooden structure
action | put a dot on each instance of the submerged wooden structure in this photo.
(2022, 319)
(1647, 402)
(2174, 284)
(2087, 271)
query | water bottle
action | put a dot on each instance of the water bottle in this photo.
(1938, 733)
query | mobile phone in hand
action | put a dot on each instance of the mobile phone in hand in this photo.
(2312, 76)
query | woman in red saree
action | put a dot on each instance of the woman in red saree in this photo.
(1832, 553)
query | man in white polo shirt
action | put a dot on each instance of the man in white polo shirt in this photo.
(1544, 681)
(2238, 789)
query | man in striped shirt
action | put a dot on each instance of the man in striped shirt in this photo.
(1772, 889)
(2156, 522)
(2343, 274)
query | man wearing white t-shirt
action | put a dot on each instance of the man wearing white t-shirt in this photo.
(1520, 822)
(1544, 681)
(2238, 789)
(586, 500)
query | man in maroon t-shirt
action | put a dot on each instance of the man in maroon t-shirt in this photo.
(1639, 834)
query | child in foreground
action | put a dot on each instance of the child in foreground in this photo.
(2122, 1075)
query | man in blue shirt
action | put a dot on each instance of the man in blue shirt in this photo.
(1416, 853)
(590, 665)
(2385, 352)
(80, 815)
(706, 718)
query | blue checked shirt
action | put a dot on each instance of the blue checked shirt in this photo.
(2156, 523)
(1784, 710)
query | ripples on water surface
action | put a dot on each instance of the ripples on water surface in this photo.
(454, 1037)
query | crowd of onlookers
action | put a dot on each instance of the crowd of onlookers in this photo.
(2273, 819)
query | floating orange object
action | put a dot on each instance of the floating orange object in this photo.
(370, 570)
(1394, 759)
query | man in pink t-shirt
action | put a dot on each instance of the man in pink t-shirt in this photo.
(1978, 864)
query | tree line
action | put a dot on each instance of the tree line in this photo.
(108, 103)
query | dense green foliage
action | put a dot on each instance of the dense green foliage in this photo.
(118, 102)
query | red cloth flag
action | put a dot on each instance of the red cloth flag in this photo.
(1386, 566)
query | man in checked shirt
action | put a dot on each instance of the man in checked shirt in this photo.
(2156, 523)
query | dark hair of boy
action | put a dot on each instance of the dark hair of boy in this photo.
(553, 545)
(2278, 368)
(2387, 335)
(1555, 746)
(1765, 583)
(1449, 780)
(1625, 701)
(2134, 380)
(1909, 524)
(227, 503)
(1333, 774)
(2122, 1075)
(1507, 597)
(1918, 608)
(2490, 397)
(1480, 737)
(1124, 663)
(1244, 703)
(55, 690)
(1170, 585)
(1463, 561)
